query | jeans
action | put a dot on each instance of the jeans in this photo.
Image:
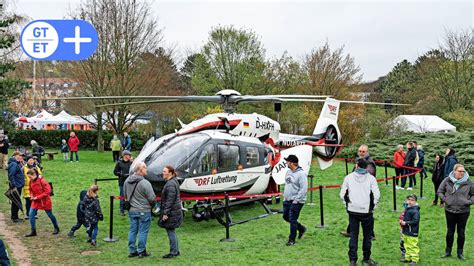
(139, 224)
(78, 225)
(65, 156)
(50, 214)
(93, 230)
(27, 205)
(453, 219)
(174, 249)
(398, 172)
(291, 213)
(77, 156)
(121, 195)
(366, 220)
(115, 155)
(14, 208)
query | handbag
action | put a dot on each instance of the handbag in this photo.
(126, 203)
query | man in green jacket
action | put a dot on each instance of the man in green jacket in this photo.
(115, 146)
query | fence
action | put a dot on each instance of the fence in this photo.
(257, 197)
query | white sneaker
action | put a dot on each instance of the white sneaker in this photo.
(409, 188)
(397, 188)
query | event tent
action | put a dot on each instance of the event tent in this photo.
(424, 123)
(45, 120)
(64, 118)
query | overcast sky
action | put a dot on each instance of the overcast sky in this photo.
(378, 34)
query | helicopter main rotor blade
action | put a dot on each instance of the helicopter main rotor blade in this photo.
(136, 103)
(345, 101)
(191, 98)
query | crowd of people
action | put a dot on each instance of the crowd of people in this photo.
(359, 193)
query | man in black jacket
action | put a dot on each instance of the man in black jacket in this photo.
(409, 162)
(122, 171)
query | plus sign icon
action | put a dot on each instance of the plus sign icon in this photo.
(59, 40)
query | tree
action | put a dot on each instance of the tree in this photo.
(330, 72)
(398, 85)
(449, 70)
(129, 39)
(10, 88)
(231, 59)
(284, 75)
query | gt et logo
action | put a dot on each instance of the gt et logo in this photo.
(59, 40)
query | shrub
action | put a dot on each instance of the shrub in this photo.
(432, 143)
(52, 138)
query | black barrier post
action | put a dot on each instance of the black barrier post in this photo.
(386, 174)
(394, 189)
(111, 238)
(227, 221)
(321, 207)
(311, 191)
(347, 168)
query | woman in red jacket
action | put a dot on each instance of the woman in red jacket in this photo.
(73, 144)
(40, 200)
(399, 159)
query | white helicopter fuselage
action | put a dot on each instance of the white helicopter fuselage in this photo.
(227, 152)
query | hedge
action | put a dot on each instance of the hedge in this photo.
(433, 143)
(52, 138)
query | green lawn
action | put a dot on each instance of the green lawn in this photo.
(257, 242)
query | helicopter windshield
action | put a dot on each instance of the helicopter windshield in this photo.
(174, 153)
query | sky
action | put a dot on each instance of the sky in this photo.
(378, 34)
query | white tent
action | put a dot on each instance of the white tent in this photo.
(36, 121)
(424, 123)
(64, 118)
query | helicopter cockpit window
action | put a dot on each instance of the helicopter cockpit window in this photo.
(175, 153)
(207, 160)
(228, 157)
(252, 156)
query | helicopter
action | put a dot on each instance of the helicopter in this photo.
(236, 154)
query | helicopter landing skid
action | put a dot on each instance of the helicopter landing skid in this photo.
(217, 210)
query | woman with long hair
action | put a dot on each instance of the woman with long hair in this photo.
(437, 177)
(171, 212)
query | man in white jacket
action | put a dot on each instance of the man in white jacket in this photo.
(361, 195)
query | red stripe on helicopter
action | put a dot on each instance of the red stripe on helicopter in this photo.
(213, 124)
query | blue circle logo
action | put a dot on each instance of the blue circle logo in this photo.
(59, 40)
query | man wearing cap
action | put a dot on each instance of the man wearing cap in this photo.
(361, 194)
(296, 186)
(122, 169)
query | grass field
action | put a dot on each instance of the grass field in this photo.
(257, 242)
